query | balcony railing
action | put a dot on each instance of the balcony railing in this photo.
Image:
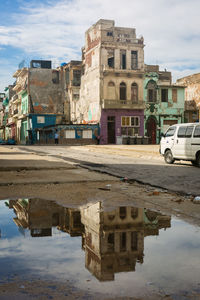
(123, 104)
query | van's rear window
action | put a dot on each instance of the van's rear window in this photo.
(197, 132)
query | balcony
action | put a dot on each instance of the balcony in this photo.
(10, 121)
(15, 99)
(122, 104)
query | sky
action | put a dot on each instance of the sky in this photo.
(54, 30)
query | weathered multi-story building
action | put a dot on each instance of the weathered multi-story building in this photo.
(39, 100)
(2, 95)
(112, 81)
(71, 85)
(113, 240)
(192, 96)
(5, 130)
(164, 102)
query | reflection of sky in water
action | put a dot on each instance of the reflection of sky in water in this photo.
(171, 260)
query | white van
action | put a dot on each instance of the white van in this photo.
(181, 142)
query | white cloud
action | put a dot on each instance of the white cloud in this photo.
(56, 30)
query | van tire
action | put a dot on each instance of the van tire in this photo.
(169, 157)
(194, 163)
(197, 161)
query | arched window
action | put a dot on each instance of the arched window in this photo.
(134, 92)
(151, 91)
(122, 91)
(134, 212)
(111, 83)
(111, 90)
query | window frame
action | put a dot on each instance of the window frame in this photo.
(134, 60)
(72, 134)
(134, 87)
(129, 119)
(151, 87)
(122, 91)
(164, 95)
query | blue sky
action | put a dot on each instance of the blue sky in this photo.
(47, 29)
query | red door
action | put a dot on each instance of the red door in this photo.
(151, 130)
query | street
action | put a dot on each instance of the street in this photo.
(141, 163)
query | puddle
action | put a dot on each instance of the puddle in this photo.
(121, 251)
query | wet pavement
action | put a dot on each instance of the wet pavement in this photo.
(95, 251)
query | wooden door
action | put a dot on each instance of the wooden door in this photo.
(151, 130)
(111, 130)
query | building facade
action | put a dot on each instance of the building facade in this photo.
(112, 82)
(192, 97)
(164, 102)
(71, 86)
(39, 100)
(6, 130)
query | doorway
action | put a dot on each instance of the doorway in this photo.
(111, 129)
(151, 130)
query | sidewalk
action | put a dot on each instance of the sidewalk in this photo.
(138, 151)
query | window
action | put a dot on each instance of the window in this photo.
(134, 60)
(111, 90)
(41, 120)
(123, 241)
(87, 134)
(75, 95)
(134, 212)
(67, 76)
(122, 212)
(77, 219)
(134, 240)
(151, 91)
(197, 132)
(125, 121)
(131, 131)
(164, 95)
(109, 33)
(174, 95)
(134, 92)
(123, 59)
(111, 84)
(70, 134)
(55, 76)
(189, 131)
(170, 131)
(135, 121)
(130, 121)
(111, 242)
(76, 77)
(181, 132)
(36, 64)
(130, 125)
(111, 58)
(122, 91)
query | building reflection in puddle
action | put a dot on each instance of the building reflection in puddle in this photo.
(113, 240)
